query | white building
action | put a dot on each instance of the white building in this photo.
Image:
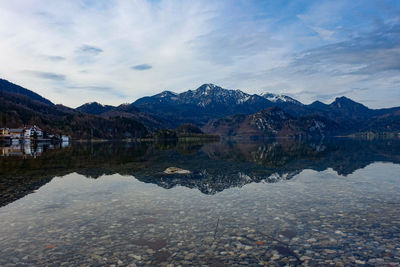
(64, 138)
(31, 131)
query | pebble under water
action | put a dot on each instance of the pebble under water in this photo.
(316, 218)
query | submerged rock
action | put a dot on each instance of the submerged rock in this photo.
(175, 170)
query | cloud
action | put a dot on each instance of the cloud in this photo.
(87, 54)
(97, 89)
(141, 67)
(324, 33)
(54, 58)
(367, 54)
(363, 67)
(90, 50)
(323, 47)
(46, 75)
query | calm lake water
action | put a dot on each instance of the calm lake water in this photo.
(278, 202)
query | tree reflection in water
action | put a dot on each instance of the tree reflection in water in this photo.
(213, 167)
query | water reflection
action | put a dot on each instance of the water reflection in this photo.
(213, 167)
(277, 203)
(28, 149)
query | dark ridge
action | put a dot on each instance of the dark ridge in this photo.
(16, 89)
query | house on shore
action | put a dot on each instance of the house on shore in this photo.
(5, 132)
(17, 133)
(28, 133)
(64, 138)
(33, 132)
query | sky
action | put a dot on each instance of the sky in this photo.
(116, 51)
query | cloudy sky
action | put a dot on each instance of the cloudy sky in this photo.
(115, 51)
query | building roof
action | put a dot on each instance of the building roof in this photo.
(33, 126)
(16, 130)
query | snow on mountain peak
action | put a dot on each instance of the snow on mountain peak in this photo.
(278, 98)
(167, 94)
(211, 94)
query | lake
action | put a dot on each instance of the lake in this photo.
(281, 202)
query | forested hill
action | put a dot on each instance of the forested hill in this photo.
(19, 106)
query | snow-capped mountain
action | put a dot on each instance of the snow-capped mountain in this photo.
(211, 94)
(207, 102)
(277, 98)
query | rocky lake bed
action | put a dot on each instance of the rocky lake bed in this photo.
(315, 218)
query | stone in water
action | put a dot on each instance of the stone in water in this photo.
(175, 170)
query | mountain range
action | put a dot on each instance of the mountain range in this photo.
(215, 109)
(19, 107)
(209, 102)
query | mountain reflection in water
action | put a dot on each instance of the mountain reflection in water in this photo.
(281, 202)
(213, 167)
